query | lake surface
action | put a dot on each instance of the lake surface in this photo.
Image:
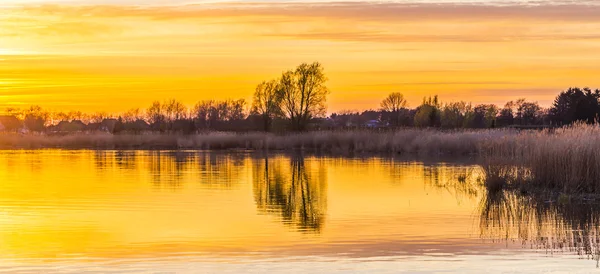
(188, 211)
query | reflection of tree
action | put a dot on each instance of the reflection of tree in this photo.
(125, 159)
(221, 170)
(541, 224)
(168, 167)
(101, 159)
(215, 170)
(295, 191)
(173, 168)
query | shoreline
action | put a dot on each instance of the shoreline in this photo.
(565, 159)
(407, 141)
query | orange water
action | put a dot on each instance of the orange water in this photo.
(185, 211)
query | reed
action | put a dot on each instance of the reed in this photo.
(565, 159)
(413, 141)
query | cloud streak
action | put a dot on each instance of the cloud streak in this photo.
(377, 22)
(333, 21)
(193, 50)
(363, 11)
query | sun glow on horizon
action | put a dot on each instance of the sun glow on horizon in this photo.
(7, 51)
(114, 55)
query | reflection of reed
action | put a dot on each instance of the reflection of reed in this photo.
(297, 193)
(571, 227)
(463, 182)
(536, 221)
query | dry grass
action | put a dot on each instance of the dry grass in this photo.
(500, 174)
(567, 159)
(403, 141)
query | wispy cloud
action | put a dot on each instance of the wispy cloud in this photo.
(336, 21)
(365, 10)
(450, 48)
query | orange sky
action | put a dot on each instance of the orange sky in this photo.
(114, 55)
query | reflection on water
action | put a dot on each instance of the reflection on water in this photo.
(174, 167)
(463, 182)
(538, 223)
(145, 207)
(289, 189)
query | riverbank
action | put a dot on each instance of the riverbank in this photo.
(565, 159)
(411, 141)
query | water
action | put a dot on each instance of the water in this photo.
(187, 211)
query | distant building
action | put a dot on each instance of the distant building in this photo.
(373, 124)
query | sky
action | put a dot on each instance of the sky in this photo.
(113, 55)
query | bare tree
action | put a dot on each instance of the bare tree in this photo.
(98, 117)
(132, 115)
(304, 94)
(76, 115)
(203, 113)
(61, 116)
(35, 118)
(211, 114)
(237, 110)
(393, 104)
(174, 110)
(223, 111)
(155, 113)
(267, 102)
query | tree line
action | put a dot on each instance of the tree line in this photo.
(570, 106)
(296, 101)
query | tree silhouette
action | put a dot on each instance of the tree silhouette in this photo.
(174, 110)
(236, 109)
(304, 94)
(35, 119)
(132, 115)
(394, 104)
(529, 112)
(575, 104)
(521, 112)
(267, 102)
(428, 114)
(455, 115)
(203, 114)
(210, 114)
(156, 116)
(506, 116)
(484, 116)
